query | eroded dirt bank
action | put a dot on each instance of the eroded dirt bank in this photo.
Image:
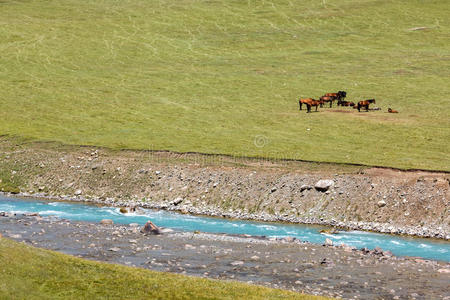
(385, 200)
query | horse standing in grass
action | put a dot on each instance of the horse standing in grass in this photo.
(304, 101)
(325, 99)
(309, 102)
(365, 103)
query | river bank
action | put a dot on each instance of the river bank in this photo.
(362, 198)
(282, 263)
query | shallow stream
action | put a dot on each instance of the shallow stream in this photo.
(399, 245)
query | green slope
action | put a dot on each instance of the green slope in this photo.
(31, 273)
(213, 75)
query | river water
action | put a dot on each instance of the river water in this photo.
(399, 245)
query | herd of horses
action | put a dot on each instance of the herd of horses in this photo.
(340, 98)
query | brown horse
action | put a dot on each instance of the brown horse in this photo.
(392, 111)
(304, 101)
(315, 103)
(365, 103)
(347, 103)
(339, 96)
(327, 99)
(309, 102)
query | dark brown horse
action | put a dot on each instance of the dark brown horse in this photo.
(365, 103)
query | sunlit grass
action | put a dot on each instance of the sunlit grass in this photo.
(31, 273)
(210, 76)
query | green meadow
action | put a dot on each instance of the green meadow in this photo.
(32, 273)
(224, 77)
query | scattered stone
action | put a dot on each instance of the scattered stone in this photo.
(166, 230)
(114, 249)
(274, 189)
(78, 192)
(237, 263)
(254, 257)
(305, 187)
(329, 231)
(378, 251)
(328, 242)
(189, 247)
(323, 185)
(31, 214)
(123, 210)
(381, 203)
(106, 222)
(445, 271)
(176, 201)
(150, 228)
(15, 236)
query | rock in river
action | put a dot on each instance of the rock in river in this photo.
(106, 222)
(150, 228)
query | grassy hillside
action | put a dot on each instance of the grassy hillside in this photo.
(215, 76)
(31, 273)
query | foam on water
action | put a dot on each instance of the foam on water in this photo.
(427, 248)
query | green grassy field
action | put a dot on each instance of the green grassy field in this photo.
(213, 75)
(31, 273)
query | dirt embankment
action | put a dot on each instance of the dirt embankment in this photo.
(377, 199)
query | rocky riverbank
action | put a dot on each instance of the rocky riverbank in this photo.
(337, 271)
(376, 199)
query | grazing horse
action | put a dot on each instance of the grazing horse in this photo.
(339, 96)
(392, 111)
(304, 101)
(315, 103)
(309, 102)
(365, 103)
(325, 99)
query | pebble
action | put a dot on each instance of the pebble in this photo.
(328, 242)
(446, 271)
(106, 222)
(114, 249)
(237, 263)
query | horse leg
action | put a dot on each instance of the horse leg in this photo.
(359, 108)
(308, 108)
(300, 103)
(331, 103)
